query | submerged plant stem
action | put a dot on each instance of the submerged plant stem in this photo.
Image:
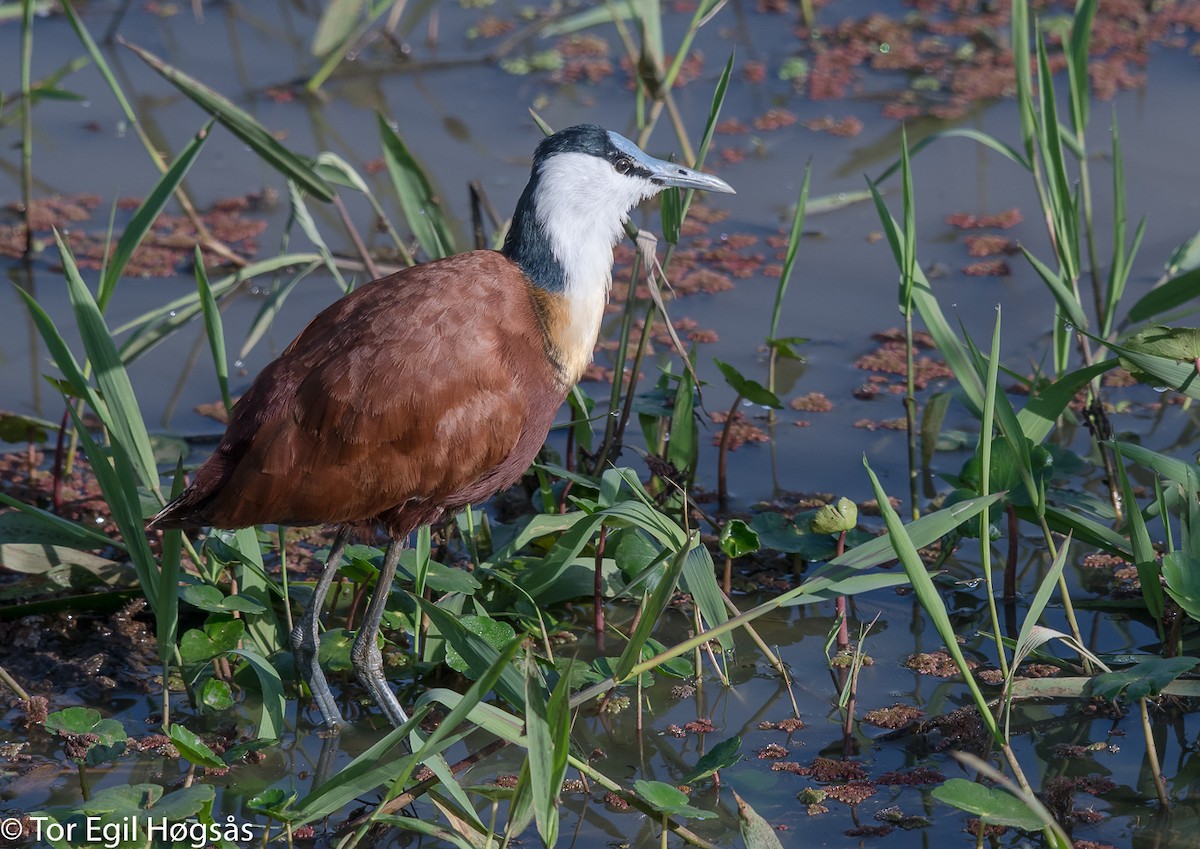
(1160, 786)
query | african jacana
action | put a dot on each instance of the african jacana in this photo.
(430, 389)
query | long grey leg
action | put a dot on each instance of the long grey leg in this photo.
(365, 656)
(305, 637)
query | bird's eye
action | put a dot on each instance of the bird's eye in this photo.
(622, 165)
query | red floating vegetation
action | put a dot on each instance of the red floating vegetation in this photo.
(790, 725)
(813, 402)
(969, 221)
(939, 664)
(989, 245)
(843, 127)
(700, 726)
(772, 751)
(828, 771)
(585, 58)
(741, 430)
(731, 127)
(916, 777)
(851, 794)
(754, 72)
(899, 111)
(774, 119)
(896, 716)
(490, 27)
(702, 280)
(870, 831)
(988, 268)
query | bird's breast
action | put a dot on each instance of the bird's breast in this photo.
(571, 321)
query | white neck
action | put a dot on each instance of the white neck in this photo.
(582, 205)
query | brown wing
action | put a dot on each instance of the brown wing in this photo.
(416, 389)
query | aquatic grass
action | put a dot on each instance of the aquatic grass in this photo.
(101, 63)
(416, 197)
(214, 330)
(146, 214)
(777, 346)
(27, 7)
(241, 124)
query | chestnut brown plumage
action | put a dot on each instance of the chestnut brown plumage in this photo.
(430, 389)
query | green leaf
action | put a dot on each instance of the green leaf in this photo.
(17, 428)
(721, 756)
(738, 539)
(198, 646)
(216, 695)
(241, 124)
(478, 655)
(992, 805)
(756, 831)
(777, 532)
(495, 633)
(669, 800)
(836, 518)
(751, 390)
(337, 22)
(270, 722)
(1145, 678)
(273, 802)
(211, 599)
(193, 748)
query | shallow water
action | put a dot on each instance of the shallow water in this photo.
(465, 119)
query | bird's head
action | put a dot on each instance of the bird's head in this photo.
(584, 182)
(596, 163)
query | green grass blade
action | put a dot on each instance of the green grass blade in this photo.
(908, 242)
(1019, 38)
(1182, 472)
(1085, 530)
(166, 610)
(97, 57)
(415, 195)
(931, 601)
(241, 124)
(1145, 558)
(146, 214)
(477, 652)
(270, 721)
(1062, 202)
(1077, 48)
(214, 329)
(1045, 590)
(1040, 414)
(652, 609)
(1060, 288)
(699, 577)
(944, 338)
(1174, 293)
(541, 761)
(59, 352)
(376, 766)
(300, 216)
(120, 411)
(117, 484)
(82, 536)
(793, 247)
(989, 141)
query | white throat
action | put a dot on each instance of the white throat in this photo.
(582, 204)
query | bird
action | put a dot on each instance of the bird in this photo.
(430, 389)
